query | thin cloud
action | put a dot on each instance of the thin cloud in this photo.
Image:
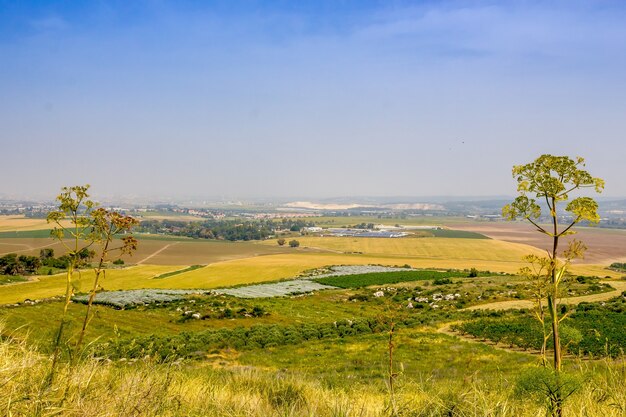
(49, 23)
(561, 33)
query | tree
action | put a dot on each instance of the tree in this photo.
(30, 264)
(294, 243)
(45, 254)
(281, 242)
(10, 265)
(550, 180)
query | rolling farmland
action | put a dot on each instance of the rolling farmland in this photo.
(343, 327)
(425, 248)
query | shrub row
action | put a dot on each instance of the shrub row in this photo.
(383, 278)
(595, 329)
(197, 344)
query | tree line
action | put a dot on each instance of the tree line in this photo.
(12, 264)
(223, 229)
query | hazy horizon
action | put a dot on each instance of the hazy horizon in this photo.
(323, 100)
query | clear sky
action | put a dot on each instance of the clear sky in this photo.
(320, 98)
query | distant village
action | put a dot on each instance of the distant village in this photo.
(613, 213)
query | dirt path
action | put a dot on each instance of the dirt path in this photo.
(620, 286)
(157, 252)
(447, 330)
(28, 247)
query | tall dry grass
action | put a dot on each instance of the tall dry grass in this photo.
(143, 388)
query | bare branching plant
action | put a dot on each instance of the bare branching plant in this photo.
(107, 225)
(73, 229)
(550, 180)
(79, 224)
(536, 274)
(393, 370)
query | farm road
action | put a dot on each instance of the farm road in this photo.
(620, 286)
(28, 247)
(156, 252)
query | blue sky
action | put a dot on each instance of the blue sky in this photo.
(320, 99)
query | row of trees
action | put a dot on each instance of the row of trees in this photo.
(232, 230)
(12, 264)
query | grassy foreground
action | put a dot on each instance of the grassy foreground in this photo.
(144, 388)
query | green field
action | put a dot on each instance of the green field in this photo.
(333, 340)
(10, 279)
(180, 271)
(383, 278)
(26, 234)
(457, 234)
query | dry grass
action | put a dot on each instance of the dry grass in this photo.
(100, 388)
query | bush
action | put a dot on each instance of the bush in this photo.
(294, 243)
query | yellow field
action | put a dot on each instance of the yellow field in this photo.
(49, 286)
(492, 255)
(429, 248)
(21, 223)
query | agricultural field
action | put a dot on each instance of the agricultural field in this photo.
(337, 338)
(604, 245)
(161, 250)
(323, 317)
(425, 248)
(237, 263)
(594, 329)
(331, 221)
(22, 223)
(29, 246)
(173, 315)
